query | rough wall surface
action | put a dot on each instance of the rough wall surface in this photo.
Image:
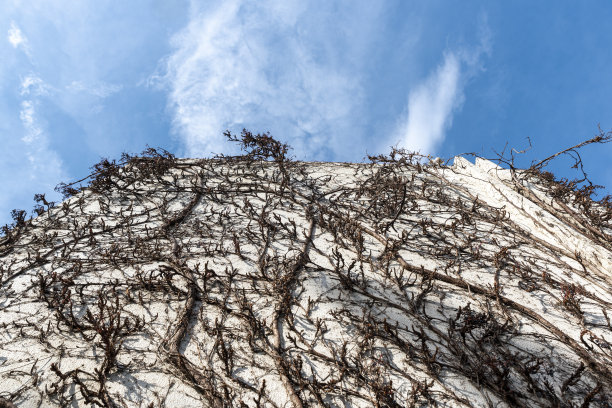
(243, 283)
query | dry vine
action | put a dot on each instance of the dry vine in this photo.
(259, 281)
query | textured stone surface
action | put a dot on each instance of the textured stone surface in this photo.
(238, 282)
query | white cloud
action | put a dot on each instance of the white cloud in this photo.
(34, 166)
(32, 84)
(30, 159)
(266, 66)
(430, 107)
(44, 164)
(16, 38)
(433, 102)
(32, 130)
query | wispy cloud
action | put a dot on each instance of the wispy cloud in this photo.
(33, 164)
(32, 130)
(26, 152)
(17, 39)
(34, 85)
(44, 165)
(15, 36)
(258, 65)
(433, 102)
(430, 107)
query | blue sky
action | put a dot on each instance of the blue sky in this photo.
(335, 79)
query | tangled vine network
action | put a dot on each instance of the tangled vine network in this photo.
(261, 281)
